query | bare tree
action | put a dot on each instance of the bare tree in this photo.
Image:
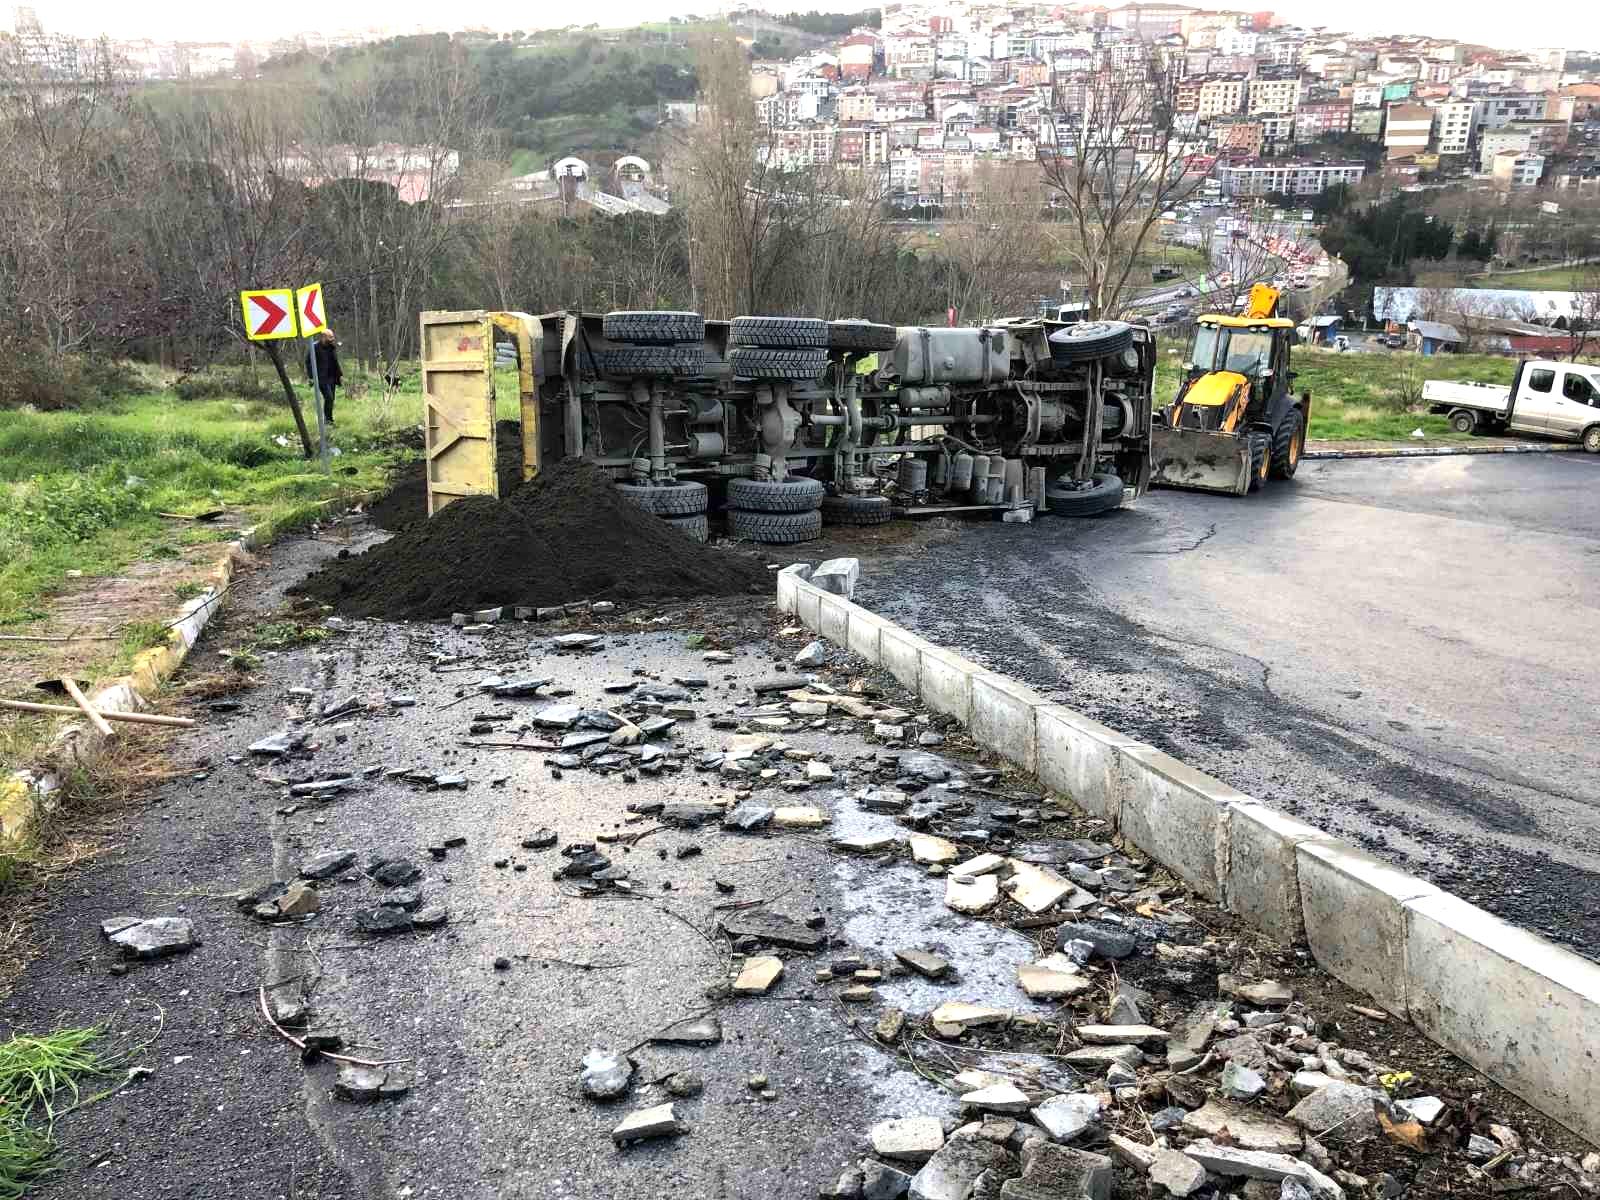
(225, 211)
(65, 155)
(1111, 171)
(386, 151)
(993, 246)
(1233, 262)
(1584, 324)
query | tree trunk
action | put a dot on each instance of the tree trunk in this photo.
(294, 401)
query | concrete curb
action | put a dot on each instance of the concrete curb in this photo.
(1519, 1008)
(1443, 451)
(25, 795)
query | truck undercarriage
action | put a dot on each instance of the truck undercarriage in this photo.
(1020, 415)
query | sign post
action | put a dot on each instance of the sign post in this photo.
(274, 313)
(312, 321)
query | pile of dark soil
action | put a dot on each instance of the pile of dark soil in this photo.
(406, 501)
(567, 536)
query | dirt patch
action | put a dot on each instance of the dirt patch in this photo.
(569, 535)
(406, 501)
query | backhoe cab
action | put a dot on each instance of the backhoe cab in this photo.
(1236, 421)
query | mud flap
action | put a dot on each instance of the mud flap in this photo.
(1200, 461)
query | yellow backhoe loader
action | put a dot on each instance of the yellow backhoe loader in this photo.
(1236, 421)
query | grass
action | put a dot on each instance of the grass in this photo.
(81, 490)
(1547, 279)
(1359, 397)
(39, 1079)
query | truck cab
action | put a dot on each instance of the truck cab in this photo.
(1557, 399)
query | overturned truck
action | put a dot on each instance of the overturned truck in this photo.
(788, 422)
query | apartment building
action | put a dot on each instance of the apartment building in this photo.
(856, 105)
(1496, 142)
(1221, 96)
(1407, 130)
(1289, 177)
(1454, 126)
(1514, 169)
(1321, 118)
(1274, 95)
(1499, 110)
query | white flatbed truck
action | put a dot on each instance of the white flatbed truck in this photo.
(1546, 398)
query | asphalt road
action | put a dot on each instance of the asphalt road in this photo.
(1401, 651)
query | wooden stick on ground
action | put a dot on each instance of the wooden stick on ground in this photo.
(130, 718)
(82, 702)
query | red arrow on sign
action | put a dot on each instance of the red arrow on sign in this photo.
(272, 314)
(311, 308)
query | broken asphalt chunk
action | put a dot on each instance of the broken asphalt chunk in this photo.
(153, 937)
(910, 1139)
(930, 966)
(1066, 1117)
(327, 864)
(660, 1120)
(774, 929)
(1247, 1128)
(359, 1084)
(382, 922)
(758, 975)
(692, 1031)
(283, 742)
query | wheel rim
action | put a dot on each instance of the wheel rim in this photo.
(1591, 441)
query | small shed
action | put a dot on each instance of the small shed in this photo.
(1435, 337)
(1320, 331)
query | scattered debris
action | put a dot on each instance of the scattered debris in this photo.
(660, 1120)
(605, 1075)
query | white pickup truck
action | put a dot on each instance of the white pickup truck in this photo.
(1549, 398)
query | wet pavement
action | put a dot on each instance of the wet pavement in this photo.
(1398, 651)
(491, 1053)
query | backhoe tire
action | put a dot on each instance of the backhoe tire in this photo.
(667, 499)
(856, 510)
(775, 528)
(865, 336)
(1090, 339)
(1260, 460)
(1104, 495)
(793, 332)
(763, 362)
(650, 328)
(1288, 440)
(667, 362)
(696, 527)
(774, 496)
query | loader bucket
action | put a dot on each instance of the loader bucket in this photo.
(1199, 461)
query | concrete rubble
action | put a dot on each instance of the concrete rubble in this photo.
(1123, 1044)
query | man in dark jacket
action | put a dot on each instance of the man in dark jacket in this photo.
(328, 372)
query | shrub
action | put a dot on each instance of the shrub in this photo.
(57, 509)
(30, 374)
(226, 383)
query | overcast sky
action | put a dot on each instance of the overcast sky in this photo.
(1572, 23)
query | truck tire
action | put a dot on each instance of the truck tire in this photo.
(861, 335)
(1464, 420)
(667, 499)
(653, 328)
(1103, 495)
(671, 362)
(1591, 439)
(776, 528)
(856, 510)
(696, 527)
(774, 496)
(1090, 339)
(1288, 439)
(1260, 460)
(763, 362)
(794, 332)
